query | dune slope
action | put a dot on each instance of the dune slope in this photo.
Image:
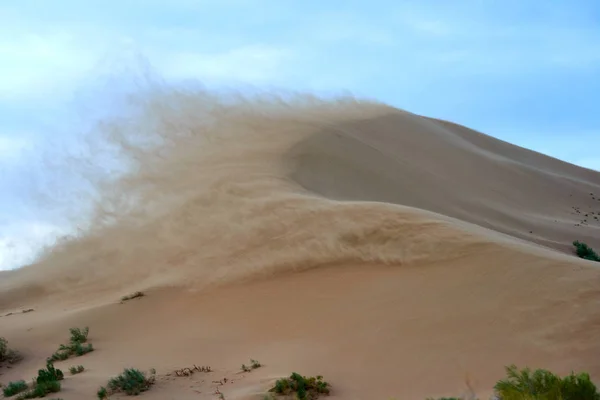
(420, 162)
(394, 254)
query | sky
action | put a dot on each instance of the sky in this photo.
(527, 72)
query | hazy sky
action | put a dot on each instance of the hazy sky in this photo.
(525, 71)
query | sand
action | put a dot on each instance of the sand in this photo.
(397, 255)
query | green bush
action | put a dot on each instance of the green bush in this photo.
(303, 387)
(131, 382)
(41, 390)
(102, 393)
(75, 346)
(79, 335)
(46, 382)
(544, 385)
(50, 374)
(14, 388)
(76, 370)
(586, 252)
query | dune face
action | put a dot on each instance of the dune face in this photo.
(448, 169)
(392, 253)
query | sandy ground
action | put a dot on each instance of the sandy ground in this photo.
(396, 255)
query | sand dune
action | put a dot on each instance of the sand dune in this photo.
(446, 168)
(393, 253)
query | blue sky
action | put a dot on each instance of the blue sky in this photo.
(525, 71)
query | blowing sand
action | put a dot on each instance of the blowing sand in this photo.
(397, 255)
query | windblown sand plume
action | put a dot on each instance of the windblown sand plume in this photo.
(390, 252)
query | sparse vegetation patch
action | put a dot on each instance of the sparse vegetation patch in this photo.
(46, 382)
(190, 371)
(131, 382)
(75, 347)
(253, 365)
(542, 385)
(303, 387)
(14, 388)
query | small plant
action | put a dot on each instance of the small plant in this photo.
(131, 382)
(46, 382)
(102, 393)
(80, 349)
(49, 374)
(305, 388)
(75, 346)
(41, 390)
(586, 252)
(543, 384)
(6, 354)
(14, 388)
(132, 296)
(253, 365)
(79, 335)
(76, 370)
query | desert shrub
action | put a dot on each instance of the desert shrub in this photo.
(41, 390)
(14, 388)
(50, 374)
(76, 370)
(131, 382)
(132, 296)
(79, 335)
(46, 382)
(102, 393)
(544, 385)
(3, 348)
(75, 346)
(253, 365)
(303, 387)
(80, 349)
(586, 252)
(6, 354)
